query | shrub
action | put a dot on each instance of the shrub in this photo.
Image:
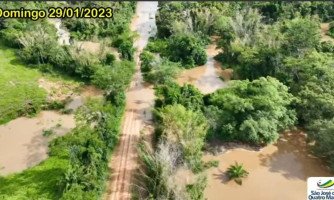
(187, 95)
(236, 172)
(186, 128)
(186, 49)
(331, 29)
(252, 112)
(48, 132)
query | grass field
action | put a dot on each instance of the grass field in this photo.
(35, 183)
(19, 93)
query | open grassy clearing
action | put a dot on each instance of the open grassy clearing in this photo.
(19, 92)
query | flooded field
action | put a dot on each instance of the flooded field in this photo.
(278, 171)
(209, 77)
(22, 144)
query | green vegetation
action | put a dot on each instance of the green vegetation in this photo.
(185, 128)
(77, 166)
(161, 180)
(331, 29)
(156, 70)
(252, 112)
(20, 94)
(186, 49)
(236, 172)
(275, 50)
(48, 132)
(286, 46)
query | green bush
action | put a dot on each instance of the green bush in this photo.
(331, 29)
(184, 127)
(252, 112)
(187, 50)
(171, 93)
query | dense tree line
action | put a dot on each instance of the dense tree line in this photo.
(288, 48)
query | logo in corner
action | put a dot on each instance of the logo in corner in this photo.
(326, 184)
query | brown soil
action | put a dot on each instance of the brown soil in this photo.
(324, 31)
(140, 100)
(277, 171)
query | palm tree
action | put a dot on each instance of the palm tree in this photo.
(236, 172)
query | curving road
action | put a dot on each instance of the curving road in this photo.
(140, 100)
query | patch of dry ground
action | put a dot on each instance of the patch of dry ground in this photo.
(324, 31)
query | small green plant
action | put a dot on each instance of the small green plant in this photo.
(211, 163)
(47, 132)
(66, 111)
(236, 172)
(56, 105)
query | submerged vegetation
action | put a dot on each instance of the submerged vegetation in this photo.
(236, 172)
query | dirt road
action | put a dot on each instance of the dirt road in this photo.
(140, 100)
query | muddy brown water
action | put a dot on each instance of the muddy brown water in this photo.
(278, 171)
(207, 77)
(22, 144)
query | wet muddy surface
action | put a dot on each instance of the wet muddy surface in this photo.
(22, 144)
(139, 102)
(209, 77)
(277, 171)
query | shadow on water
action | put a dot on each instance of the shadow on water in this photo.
(293, 158)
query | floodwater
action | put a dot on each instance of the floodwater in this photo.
(22, 144)
(139, 102)
(63, 34)
(207, 78)
(278, 171)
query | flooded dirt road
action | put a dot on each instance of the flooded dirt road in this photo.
(278, 171)
(207, 77)
(140, 100)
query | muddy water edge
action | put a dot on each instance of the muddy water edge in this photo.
(277, 171)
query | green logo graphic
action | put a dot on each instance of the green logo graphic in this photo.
(327, 184)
